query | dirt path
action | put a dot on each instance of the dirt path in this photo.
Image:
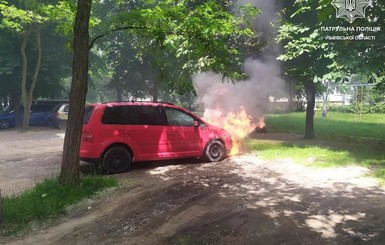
(242, 200)
(28, 157)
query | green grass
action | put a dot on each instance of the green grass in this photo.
(318, 156)
(337, 126)
(47, 199)
(347, 139)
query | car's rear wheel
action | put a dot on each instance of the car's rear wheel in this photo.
(4, 124)
(117, 160)
(215, 151)
(62, 124)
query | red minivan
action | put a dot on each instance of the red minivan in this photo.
(115, 134)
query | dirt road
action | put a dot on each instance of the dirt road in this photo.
(28, 157)
(241, 200)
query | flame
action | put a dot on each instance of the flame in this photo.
(261, 123)
(238, 124)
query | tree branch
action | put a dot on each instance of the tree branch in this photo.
(93, 40)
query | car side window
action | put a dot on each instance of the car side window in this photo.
(119, 115)
(66, 108)
(178, 118)
(151, 115)
(134, 115)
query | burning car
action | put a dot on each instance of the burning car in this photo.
(115, 134)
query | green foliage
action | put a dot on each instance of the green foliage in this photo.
(165, 42)
(63, 13)
(350, 56)
(205, 36)
(46, 200)
(341, 108)
(306, 54)
(365, 100)
(9, 61)
(15, 18)
(170, 40)
(362, 108)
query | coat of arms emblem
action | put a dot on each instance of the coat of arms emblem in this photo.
(350, 9)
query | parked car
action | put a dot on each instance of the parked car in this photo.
(40, 115)
(61, 115)
(115, 134)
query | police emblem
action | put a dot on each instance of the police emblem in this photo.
(350, 9)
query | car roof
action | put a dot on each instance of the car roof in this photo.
(141, 103)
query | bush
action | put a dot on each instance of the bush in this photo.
(341, 108)
(359, 108)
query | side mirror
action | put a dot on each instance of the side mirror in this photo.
(196, 123)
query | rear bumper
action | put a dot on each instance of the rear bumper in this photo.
(89, 151)
(90, 160)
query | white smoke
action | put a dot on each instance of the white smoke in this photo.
(263, 83)
(268, 16)
(252, 94)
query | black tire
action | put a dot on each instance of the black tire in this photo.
(116, 160)
(62, 124)
(215, 151)
(4, 124)
(52, 122)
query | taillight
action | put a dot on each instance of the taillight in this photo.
(87, 135)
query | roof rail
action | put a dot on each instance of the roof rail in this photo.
(133, 101)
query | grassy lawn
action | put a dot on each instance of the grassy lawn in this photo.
(47, 199)
(346, 139)
(337, 126)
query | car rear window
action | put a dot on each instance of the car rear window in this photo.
(134, 115)
(56, 108)
(87, 114)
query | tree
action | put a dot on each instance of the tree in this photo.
(178, 26)
(185, 37)
(307, 19)
(28, 21)
(70, 160)
(9, 64)
(359, 56)
(306, 55)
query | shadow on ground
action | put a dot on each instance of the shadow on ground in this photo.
(241, 200)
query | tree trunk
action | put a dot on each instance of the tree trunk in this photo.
(310, 98)
(157, 65)
(155, 91)
(118, 91)
(24, 74)
(70, 161)
(15, 103)
(27, 93)
(38, 64)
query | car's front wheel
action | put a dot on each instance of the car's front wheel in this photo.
(4, 124)
(117, 160)
(215, 151)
